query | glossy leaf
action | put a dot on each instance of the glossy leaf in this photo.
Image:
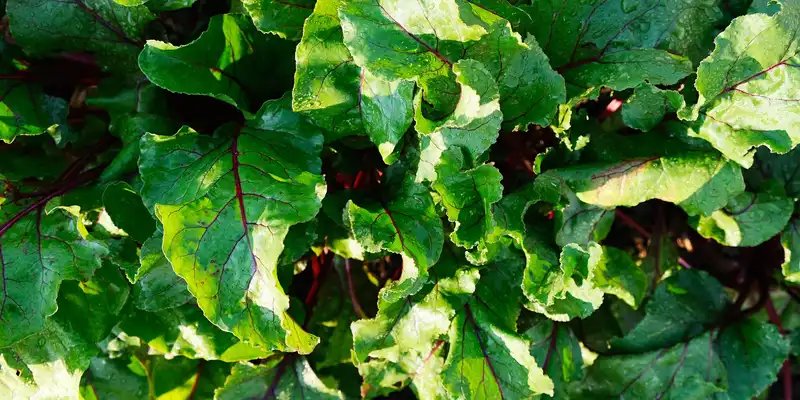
(39, 250)
(49, 363)
(746, 82)
(621, 45)
(472, 127)
(113, 33)
(280, 377)
(345, 98)
(749, 219)
(405, 224)
(283, 18)
(648, 105)
(221, 63)
(487, 358)
(157, 287)
(407, 332)
(226, 203)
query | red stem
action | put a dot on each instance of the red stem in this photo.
(88, 176)
(786, 369)
(353, 298)
(630, 222)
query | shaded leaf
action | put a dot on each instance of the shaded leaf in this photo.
(38, 250)
(280, 377)
(749, 219)
(221, 63)
(113, 33)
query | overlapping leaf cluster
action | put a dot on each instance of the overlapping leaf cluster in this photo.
(300, 199)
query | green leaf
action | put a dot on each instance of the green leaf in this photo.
(222, 63)
(784, 168)
(283, 18)
(557, 351)
(49, 364)
(405, 333)
(746, 84)
(419, 40)
(406, 223)
(134, 109)
(226, 203)
(682, 306)
(113, 33)
(137, 376)
(574, 285)
(343, 97)
(184, 331)
(157, 287)
(127, 212)
(790, 239)
(472, 127)
(468, 197)
(26, 111)
(748, 220)
(648, 105)
(580, 223)
(753, 353)
(620, 44)
(530, 90)
(487, 357)
(686, 370)
(287, 377)
(39, 250)
(345, 295)
(700, 181)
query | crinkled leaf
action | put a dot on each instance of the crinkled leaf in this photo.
(468, 197)
(472, 127)
(487, 357)
(343, 97)
(406, 39)
(746, 84)
(38, 250)
(406, 223)
(50, 363)
(406, 332)
(574, 285)
(580, 223)
(619, 44)
(222, 63)
(283, 18)
(112, 33)
(286, 377)
(530, 91)
(648, 105)
(749, 219)
(226, 203)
